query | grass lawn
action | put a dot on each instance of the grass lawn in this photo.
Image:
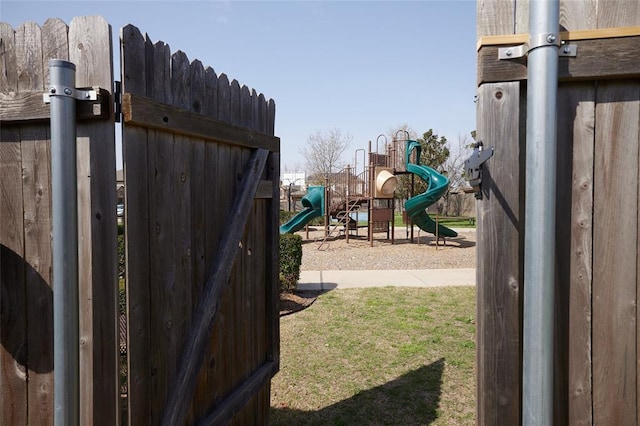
(379, 356)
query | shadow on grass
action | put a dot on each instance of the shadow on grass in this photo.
(411, 399)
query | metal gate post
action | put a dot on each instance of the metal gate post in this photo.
(540, 210)
(64, 200)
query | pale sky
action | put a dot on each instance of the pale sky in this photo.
(364, 67)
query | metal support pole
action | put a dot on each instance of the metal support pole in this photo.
(64, 202)
(540, 211)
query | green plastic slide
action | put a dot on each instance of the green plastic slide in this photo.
(437, 185)
(313, 202)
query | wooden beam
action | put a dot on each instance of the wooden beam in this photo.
(606, 58)
(241, 395)
(199, 335)
(29, 106)
(512, 39)
(141, 111)
(264, 189)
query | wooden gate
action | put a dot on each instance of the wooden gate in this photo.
(597, 275)
(202, 181)
(200, 157)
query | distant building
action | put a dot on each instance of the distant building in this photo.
(293, 186)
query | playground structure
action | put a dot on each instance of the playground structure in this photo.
(349, 193)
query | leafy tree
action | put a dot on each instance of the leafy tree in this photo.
(323, 152)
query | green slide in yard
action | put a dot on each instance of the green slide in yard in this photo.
(437, 185)
(314, 207)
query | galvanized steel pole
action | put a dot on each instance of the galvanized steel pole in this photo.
(540, 212)
(64, 202)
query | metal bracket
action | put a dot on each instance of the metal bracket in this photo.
(473, 167)
(97, 107)
(535, 41)
(77, 94)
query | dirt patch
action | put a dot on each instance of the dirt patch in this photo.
(291, 303)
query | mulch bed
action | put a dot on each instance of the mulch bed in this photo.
(290, 303)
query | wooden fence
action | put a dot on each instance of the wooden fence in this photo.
(597, 276)
(202, 179)
(26, 354)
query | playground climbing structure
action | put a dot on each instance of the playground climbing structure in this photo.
(368, 192)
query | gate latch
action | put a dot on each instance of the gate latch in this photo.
(473, 167)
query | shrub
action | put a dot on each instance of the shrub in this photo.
(285, 216)
(290, 260)
(121, 261)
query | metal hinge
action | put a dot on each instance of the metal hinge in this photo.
(117, 101)
(473, 167)
(539, 40)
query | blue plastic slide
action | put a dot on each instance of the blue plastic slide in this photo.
(314, 207)
(437, 185)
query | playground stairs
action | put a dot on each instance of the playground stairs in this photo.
(343, 219)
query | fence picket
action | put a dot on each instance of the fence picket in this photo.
(90, 50)
(14, 350)
(135, 60)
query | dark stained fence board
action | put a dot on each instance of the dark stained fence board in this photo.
(135, 62)
(272, 293)
(615, 253)
(197, 337)
(499, 271)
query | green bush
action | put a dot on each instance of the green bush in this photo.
(290, 260)
(285, 216)
(121, 262)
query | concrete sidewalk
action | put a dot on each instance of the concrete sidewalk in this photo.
(328, 280)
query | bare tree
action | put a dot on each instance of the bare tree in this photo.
(323, 151)
(453, 167)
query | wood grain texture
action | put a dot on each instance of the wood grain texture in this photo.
(615, 271)
(495, 17)
(499, 270)
(13, 304)
(163, 284)
(30, 71)
(36, 153)
(574, 219)
(8, 74)
(617, 13)
(199, 335)
(189, 168)
(55, 44)
(91, 51)
(135, 51)
(612, 58)
(147, 113)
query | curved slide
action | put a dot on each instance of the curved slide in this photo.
(314, 207)
(437, 186)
